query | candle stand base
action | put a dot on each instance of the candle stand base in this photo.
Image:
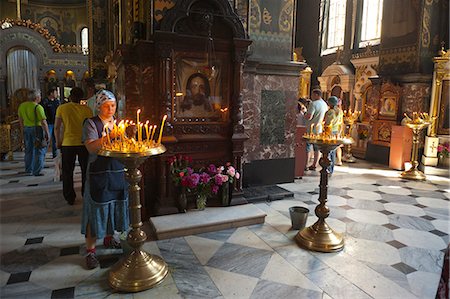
(320, 237)
(348, 156)
(414, 174)
(137, 272)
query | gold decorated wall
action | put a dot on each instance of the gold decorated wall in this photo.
(62, 21)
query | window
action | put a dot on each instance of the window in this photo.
(334, 25)
(85, 41)
(372, 12)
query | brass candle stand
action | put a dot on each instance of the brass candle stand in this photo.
(419, 122)
(320, 236)
(139, 270)
(349, 120)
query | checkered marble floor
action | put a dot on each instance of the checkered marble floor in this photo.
(395, 231)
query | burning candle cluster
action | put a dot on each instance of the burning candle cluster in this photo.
(350, 117)
(419, 118)
(119, 139)
(326, 136)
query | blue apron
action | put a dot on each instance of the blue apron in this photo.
(106, 175)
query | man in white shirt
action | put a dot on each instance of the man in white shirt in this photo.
(314, 116)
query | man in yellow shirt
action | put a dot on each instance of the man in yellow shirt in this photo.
(34, 125)
(71, 116)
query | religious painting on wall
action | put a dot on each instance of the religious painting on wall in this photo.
(200, 92)
(389, 102)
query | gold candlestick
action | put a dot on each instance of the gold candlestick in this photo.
(320, 236)
(419, 122)
(349, 120)
(139, 270)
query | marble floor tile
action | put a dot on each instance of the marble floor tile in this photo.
(167, 289)
(73, 264)
(232, 285)
(397, 190)
(442, 225)
(281, 271)
(25, 290)
(363, 277)
(4, 276)
(335, 285)
(301, 259)
(391, 273)
(244, 236)
(203, 248)
(410, 222)
(419, 239)
(434, 202)
(271, 236)
(371, 251)
(423, 284)
(369, 232)
(240, 259)
(420, 185)
(268, 289)
(404, 209)
(362, 194)
(427, 260)
(364, 204)
(366, 216)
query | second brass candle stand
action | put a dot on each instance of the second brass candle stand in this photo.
(349, 120)
(320, 236)
(417, 124)
(139, 270)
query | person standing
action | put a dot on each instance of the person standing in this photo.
(71, 116)
(315, 114)
(34, 125)
(334, 119)
(50, 104)
(105, 202)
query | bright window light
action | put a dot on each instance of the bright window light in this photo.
(371, 22)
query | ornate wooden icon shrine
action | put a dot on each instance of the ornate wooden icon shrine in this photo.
(190, 68)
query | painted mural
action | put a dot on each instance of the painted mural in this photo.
(270, 28)
(64, 24)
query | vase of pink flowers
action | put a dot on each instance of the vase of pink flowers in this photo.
(179, 168)
(224, 177)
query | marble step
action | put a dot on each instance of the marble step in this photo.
(211, 219)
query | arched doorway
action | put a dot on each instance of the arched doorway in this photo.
(22, 70)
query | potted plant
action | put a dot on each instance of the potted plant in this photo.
(224, 177)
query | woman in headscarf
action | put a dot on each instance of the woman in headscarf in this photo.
(333, 121)
(105, 204)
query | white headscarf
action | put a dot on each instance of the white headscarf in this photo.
(103, 96)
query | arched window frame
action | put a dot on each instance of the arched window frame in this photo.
(370, 24)
(334, 17)
(84, 38)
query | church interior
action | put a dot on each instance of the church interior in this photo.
(223, 79)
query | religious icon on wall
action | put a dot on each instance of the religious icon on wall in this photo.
(388, 108)
(198, 92)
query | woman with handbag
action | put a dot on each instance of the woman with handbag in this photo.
(34, 126)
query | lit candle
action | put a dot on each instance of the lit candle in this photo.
(146, 130)
(137, 115)
(311, 128)
(161, 129)
(153, 132)
(107, 133)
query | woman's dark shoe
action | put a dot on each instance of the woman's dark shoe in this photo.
(312, 168)
(91, 261)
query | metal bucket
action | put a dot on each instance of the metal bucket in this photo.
(299, 215)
